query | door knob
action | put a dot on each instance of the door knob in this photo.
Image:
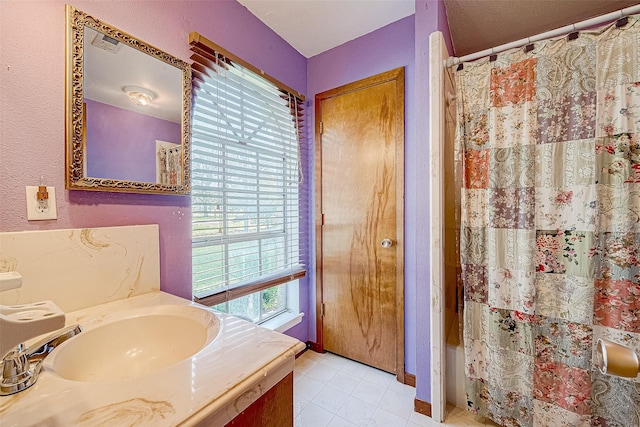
(386, 243)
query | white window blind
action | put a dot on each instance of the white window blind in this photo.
(246, 178)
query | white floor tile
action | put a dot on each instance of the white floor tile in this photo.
(298, 405)
(330, 399)
(340, 422)
(345, 382)
(403, 389)
(304, 365)
(357, 411)
(380, 378)
(369, 392)
(307, 388)
(334, 360)
(332, 391)
(397, 404)
(416, 419)
(382, 418)
(321, 372)
(313, 416)
(354, 368)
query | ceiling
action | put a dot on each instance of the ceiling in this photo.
(477, 25)
(315, 26)
(107, 73)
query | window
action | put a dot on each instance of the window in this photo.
(245, 186)
(258, 307)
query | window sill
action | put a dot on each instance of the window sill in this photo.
(283, 322)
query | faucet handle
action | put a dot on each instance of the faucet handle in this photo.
(17, 372)
(20, 367)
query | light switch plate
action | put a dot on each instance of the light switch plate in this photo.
(34, 213)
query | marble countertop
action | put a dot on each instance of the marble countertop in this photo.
(209, 388)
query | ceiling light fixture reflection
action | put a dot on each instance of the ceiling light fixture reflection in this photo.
(139, 95)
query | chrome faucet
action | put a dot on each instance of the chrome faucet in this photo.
(21, 367)
(19, 323)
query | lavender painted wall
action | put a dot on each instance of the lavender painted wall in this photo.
(382, 50)
(121, 143)
(32, 129)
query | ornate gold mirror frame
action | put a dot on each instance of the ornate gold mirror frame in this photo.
(76, 146)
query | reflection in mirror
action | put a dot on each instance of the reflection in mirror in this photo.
(128, 107)
(133, 108)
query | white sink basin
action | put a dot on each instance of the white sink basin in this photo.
(132, 343)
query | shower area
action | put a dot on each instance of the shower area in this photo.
(535, 168)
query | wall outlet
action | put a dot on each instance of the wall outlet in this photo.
(37, 211)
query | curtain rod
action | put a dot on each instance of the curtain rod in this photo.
(546, 35)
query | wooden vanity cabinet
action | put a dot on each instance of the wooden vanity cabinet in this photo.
(272, 409)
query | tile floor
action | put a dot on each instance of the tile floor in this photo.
(331, 391)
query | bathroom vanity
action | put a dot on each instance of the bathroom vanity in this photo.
(144, 357)
(242, 376)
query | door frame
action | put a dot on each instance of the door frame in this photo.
(397, 76)
(437, 56)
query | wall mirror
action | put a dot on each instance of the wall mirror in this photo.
(128, 107)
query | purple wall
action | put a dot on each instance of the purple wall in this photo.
(121, 143)
(382, 50)
(32, 117)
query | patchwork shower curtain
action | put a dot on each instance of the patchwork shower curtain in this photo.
(549, 142)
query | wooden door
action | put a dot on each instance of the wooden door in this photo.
(359, 193)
